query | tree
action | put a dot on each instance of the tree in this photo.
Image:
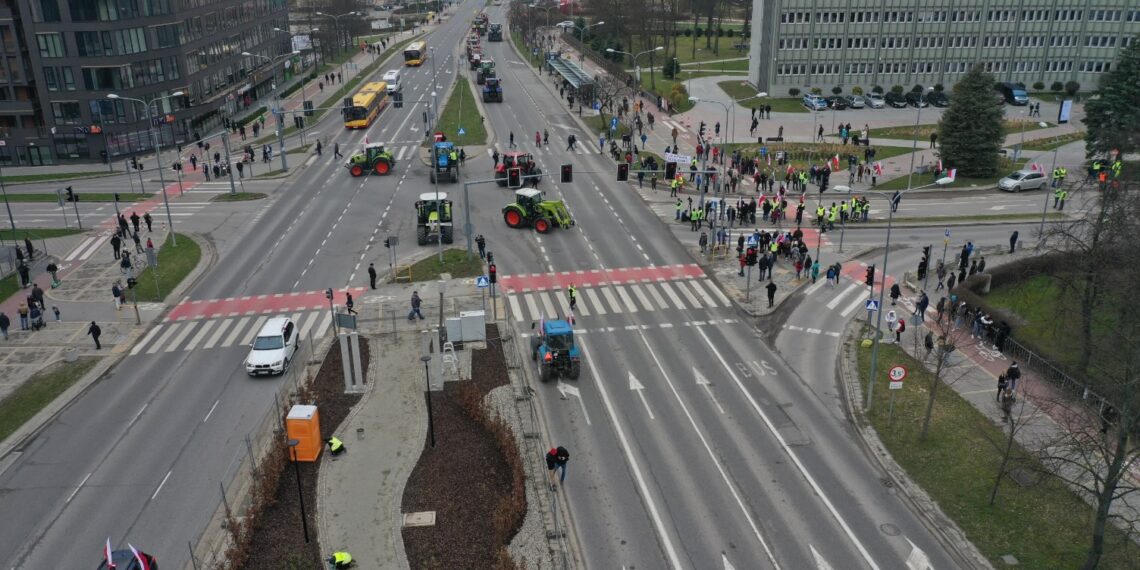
(971, 130)
(877, 89)
(1057, 87)
(836, 90)
(794, 91)
(1112, 118)
(938, 87)
(917, 88)
(1039, 86)
(1072, 88)
(671, 69)
(856, 90)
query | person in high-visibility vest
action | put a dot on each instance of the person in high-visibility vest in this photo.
(336, 446)
(340, 560)
(1117, 166)
(1064, 195)
(572, 293)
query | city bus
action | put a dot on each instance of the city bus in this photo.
(363, 107)
(415, 53)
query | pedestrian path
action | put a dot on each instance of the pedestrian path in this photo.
(223, 332)
(600, 300)
(258, 304)
(645, 327)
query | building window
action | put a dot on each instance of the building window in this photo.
(51, 45)
(45, 10)
(65, 112)
(167, 36)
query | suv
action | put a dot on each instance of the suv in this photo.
(836, 102)
(916, 99)
(273, 348)
(938, 99)
(814, 102)
(1024, 180)
(896, 100)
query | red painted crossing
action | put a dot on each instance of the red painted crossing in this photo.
(523, 283)
(257, 304)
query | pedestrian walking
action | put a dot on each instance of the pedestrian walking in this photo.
(481, 243)
(22, 311)
(771, 287)
(117, 293)
(336, 150)
(416, 302)
(556, 460)
(1014, 374)
(512, 143)
(1013, 241)
(703, 241)
(900, 327)
(5, 322)
(895, 293)
(55, 311)
(1002, 384)
(372, 275)
(138, 242)
(933, 139)
(1007, 400)
(572, 296)
(135, 220)
(928, 343)
(349, 303)
(94, 331)
(25, 275)
(319, 148)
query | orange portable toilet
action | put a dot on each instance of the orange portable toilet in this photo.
(303, 424)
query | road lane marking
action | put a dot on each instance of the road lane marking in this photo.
(516, 310)
(834, 302)
(672, 296)
(238, 329)
(158, 344)
(137, 414)
(211, 412)
(857, 303)
(177, 340)
(77, 488)
(146, 340)
(548, 306)
(202, 332)
(222, 326)
(161, 484)
(687, 294)
(625, 298)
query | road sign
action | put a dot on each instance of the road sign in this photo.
(751, 240)
(462, 131)
(946, 233)
(613, 124)
(872, 305)
(482, 282)
(896, 374)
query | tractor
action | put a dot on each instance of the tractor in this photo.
(521, 160)
(495, 33)
(433, 218)
(486, 69)
(492, 90)
(372, 159)
(554, 351)
(532, 209)
(443, 166)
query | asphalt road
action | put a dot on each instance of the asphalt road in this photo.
(140, 455)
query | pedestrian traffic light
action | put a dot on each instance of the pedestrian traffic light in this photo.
(491, 257)
(387, 242)
(623, 171)
(750, 258)
(134, 163)
(514, 177)
(329, 293)
(926, 252)
(870, 279)
(492, 273)
(116, 196)
(71, 195)
(131, 282)
(701, 132)
(567, 173)
(670, 170)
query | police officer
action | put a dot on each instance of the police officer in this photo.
(336, 447)
(340, 560)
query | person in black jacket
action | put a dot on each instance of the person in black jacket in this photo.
(556, 459)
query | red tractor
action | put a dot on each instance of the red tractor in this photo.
(520, 160)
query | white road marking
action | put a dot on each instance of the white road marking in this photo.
(222, 326)
(202, 332)
(625, 298)
(77, 488)
(239, 328)
(146, 339)
(834, 302)
(211, 412)
(672, 296)
(161, 342)
(161, 484)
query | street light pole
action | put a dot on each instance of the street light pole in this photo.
(8, 206)
(914, 145)
(293, 443)
(278, 112)
(157, 155)
(427, 395)
(1044, 209)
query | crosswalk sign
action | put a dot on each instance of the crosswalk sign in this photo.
(462, 131)
(872, 305)
(482, 282)
(751, 240)
(613, 124)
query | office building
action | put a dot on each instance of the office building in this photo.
(811, 43)
(61, 58)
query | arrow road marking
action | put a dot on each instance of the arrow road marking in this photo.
(820, 562)
(567, 390)
(917, 559)
(704, 383)
(637, 387)
(727, 565)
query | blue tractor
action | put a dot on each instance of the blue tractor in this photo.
(554, 351)
(444, 167)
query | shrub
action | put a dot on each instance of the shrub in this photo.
(730, 32)
(794, 91)
(1021, 84)
(856, 90)
(877, 89)
(836, 90)
(671, 68)
(1039, 86)
(678, 96)
(720, 32)
(688, 32)
(697, 32)
(1057, 87)
(1072, 87)
(939, 87)
(917, 88)
(816, 91)
(897, 89)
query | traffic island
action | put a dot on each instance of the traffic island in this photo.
(238, 197)
(38, 391)
(175, 262)
(455, 263)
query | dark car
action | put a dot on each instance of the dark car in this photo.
(938, 99)
(916, 99)
(126, 560)
(837, 102)
(896, 100)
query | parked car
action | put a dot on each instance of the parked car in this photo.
(1013, 93)
(855, 101)
(1024, 180)
(938, 99)
(273, 348)
(814, 102)
(896, 100)
(916, 99)
(876, 101)
(836, 102)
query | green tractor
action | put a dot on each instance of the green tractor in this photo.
(444, 167)
(486, 69)
(433, 218)
(372, 159)
(531, 209)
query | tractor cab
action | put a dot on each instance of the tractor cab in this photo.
(486, 69)
(444, 167)
(529, 198)
(433, 218)
(372, 158)
(492, 90)
(554, 351)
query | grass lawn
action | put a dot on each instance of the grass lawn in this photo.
(906, 132)
(271, 173)
(739, 89)
(48, 177)
(238, 197)
(83, 197)
(1040, 301)
(803, 155)
(9, 286)
(174, 264)
(38, 233)
(1004, 166)
(455, 262)
(39, 391)
(1043, 525)
(461, 111)
(1051, 143)
(685, 49)
(729, 65)
(520, 44)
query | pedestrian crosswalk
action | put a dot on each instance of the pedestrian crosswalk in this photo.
(846, 297)
(619, 299)
(222, 332)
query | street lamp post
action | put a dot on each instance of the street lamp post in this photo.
(636, 68)
(293, 443)
(304, 77)
(278, 112)
(1044, 209)
(8, 206)
(886, 257)
(427, 396)
(157, 154)
(914, 143)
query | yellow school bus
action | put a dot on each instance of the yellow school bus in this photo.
(363, 107)
(415, 53)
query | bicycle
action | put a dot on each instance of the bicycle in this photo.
(988, 352)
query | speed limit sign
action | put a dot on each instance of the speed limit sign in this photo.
(896, 375)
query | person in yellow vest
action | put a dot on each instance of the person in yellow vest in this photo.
(1094, 170)
(1064, 173)
(843, 212)
(1056, 197)
(340, 560)
(336, 446)
(834, 213)
(1064, 195)
(819, 216)
(679, 205)
(673, 185)
(1057, 177)
(572, 294)
(1117, 167)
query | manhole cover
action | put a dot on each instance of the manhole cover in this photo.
(423, 518)
(890, 529)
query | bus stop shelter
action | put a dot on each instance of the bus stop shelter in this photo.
(574, 78)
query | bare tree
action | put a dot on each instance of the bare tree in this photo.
(938, 360)
(1013, 457)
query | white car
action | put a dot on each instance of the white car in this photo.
(273, 348)
(876, 101)
(392, 78)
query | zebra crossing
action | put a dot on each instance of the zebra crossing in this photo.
(846, 298)
(222, 332)
(619, 299)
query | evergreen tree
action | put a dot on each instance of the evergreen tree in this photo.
(971, 130)
(1113, 118)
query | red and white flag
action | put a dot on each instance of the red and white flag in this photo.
(1034, 167)
(769, 159)
(939, 168)
(835, 162)
(879, 168)
(139, 556)
(952, 174)
(107, 554)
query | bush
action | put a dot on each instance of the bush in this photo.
(816, 91)
(836, 90)
(730, 32)
(678, 96)
(688, 32)
(877, 89)
(1021, 84)
(720, 32)
(856, 90)
(1072, 87)
(939, 87)
(917, 88)
(697, 32)
(794, 91)
(1057, 87)
(897, 89)
(1039, 86)
(671, 68)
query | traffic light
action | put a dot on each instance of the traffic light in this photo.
(670, 170)
(623, 171)
(567, 173)
(751, 257)
(870, 280)
(490, 257)
(514, 177)
(116, 196)
(131, 282)
(492, 273)
(134, 163)
(701, 132)
(329, 293)
(71, 195)
(387, 242)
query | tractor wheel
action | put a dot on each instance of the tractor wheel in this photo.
(542, 226)
(513, 217)
(356, 171)
(432, 176)
(454, 175)
(534, 344)
(545, 373)
(575, 370)
(422, 235)
(445, 234)
(382, 166)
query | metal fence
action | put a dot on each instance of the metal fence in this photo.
(1016, 351)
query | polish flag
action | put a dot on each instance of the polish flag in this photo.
(879, 168)
(769, 159)
(940, 169)
(107, 554)
(139, 556)
(952, 174)
(835, 162)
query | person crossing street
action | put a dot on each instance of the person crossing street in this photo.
(572, 295)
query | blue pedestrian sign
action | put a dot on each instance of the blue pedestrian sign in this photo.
(947, 233)
(482, 282)
(613, 124)
(751, 240)
(872, 305)
(462, 131)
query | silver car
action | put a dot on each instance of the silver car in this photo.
(1024, 180)
(876, 101)
(855, 101)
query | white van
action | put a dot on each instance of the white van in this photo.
(392, 78)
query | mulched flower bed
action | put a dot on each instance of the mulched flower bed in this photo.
(466, 478)
(279, 543)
